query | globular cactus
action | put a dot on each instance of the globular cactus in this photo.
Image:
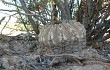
(70, 35)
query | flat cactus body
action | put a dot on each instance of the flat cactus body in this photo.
(69, 35)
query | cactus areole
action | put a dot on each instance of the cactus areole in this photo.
(65, 34)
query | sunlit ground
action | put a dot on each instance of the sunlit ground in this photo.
(10, 29)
